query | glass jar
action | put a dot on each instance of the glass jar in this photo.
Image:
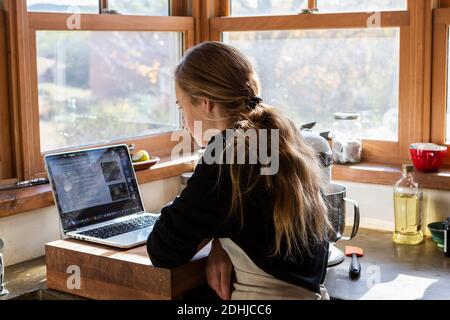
(347, 138)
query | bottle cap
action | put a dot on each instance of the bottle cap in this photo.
(408, 168)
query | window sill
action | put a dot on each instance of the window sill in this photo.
(14, 202)
(386, 174)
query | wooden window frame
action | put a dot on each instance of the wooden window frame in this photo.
(22, 26)
(203, 20)
(441, 25)
(414, 95)
(6, 169)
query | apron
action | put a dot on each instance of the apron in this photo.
(252, 283)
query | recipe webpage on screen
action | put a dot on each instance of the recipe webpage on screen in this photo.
(86, 181)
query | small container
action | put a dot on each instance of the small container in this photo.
(428, 157)
(437, 233)
(144, 165)
(347, 138)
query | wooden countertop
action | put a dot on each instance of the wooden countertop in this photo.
(390, 271)
(111, 273)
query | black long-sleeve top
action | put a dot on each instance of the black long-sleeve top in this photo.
(201, 212)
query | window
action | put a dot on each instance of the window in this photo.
(266, 7)
(109, 79)
(312, 65)
(311, 74)
(83, 6)
(140, 7)
(105, 86)
(327, 6)
(133, 7)
(282, 7)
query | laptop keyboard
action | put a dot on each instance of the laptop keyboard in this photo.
(121, 227)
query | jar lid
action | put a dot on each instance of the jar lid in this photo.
(346, 116)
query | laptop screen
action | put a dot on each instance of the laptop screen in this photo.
(92, 186)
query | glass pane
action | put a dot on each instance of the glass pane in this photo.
(83, 6)
(326, 6)
(102, 86)
(141, 7)
(266, 7)
(312, 74)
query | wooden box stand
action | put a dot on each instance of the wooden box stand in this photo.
(101, 272)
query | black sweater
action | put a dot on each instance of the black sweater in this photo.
(202, 212)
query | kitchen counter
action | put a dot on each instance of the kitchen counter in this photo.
(27, 280)
(24, 277)
(390, 271)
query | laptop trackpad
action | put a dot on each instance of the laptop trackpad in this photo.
(131, 239)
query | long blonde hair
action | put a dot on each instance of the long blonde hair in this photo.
(226, 77)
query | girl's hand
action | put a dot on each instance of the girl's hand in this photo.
(219, 270)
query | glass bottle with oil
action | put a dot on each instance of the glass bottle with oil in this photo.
(408, 209)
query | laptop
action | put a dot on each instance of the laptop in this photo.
(97, 196)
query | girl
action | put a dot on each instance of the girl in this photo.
(269, 228)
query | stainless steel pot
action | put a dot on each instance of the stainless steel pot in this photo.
(336, 198)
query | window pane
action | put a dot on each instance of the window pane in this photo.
(141, 7)
(312, 74)
(83, 6)
(102, 86)
(266, 7)
(360, 5)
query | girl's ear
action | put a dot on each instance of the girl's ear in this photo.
(207, 105)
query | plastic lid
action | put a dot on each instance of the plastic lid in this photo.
(346, 116)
